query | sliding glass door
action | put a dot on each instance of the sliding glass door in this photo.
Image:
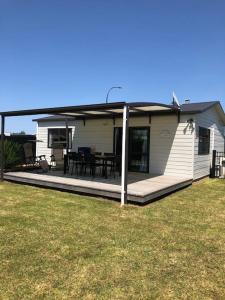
(139, 149)
(139, 139)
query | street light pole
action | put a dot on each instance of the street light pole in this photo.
(114, 87)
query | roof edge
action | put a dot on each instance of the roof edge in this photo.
(214, 104)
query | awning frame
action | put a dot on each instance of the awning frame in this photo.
(105, 110)
(102, 107)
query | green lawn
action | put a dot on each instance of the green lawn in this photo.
(55, 245)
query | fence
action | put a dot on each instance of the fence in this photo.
(218, 163)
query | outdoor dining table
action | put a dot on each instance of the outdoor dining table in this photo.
(102, 158)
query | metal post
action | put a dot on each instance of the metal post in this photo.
(67, 149)
(2, 147)
(67, 137)
(124, 175)
(213, 169)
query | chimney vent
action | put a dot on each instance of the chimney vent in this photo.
(187, 101)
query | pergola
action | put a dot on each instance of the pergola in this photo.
(96, 111)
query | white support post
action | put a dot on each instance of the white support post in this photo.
(124, 172)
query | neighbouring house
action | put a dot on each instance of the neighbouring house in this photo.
(178, 143)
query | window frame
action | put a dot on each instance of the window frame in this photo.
(204, 140)
(60, 128)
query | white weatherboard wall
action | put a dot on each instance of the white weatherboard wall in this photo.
(98, 133)
(171, 146)
(171, 143)
(208, 119)
(42, 135)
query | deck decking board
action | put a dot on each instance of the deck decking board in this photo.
(142, 188)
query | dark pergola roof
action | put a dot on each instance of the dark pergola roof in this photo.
(96, 110)
(104, 110)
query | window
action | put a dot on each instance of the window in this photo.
(204, 141)
(57, 137)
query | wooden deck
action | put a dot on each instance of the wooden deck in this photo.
(142, 188)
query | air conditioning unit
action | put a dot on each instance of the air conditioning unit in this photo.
(222, 167)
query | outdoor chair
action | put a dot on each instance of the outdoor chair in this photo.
(110, 163)
(88, 163)
(76, 162)
(115, 166)
(84, 150)
(71, 156)
(91, 164)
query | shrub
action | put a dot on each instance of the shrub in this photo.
(13, 153)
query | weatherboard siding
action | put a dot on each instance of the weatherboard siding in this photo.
(42, 135)
(171, 143)
(98, 133)
(208, 119)
(171, 146)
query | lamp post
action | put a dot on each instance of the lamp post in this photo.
(114, 87)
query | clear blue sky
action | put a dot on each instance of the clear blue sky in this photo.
(70, 52)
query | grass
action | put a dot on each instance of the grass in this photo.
(55, 245)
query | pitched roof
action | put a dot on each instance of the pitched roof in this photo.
(198, 107)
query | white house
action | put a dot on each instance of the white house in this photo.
(176, 142)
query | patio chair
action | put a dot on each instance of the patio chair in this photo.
(91, 164)
(110, 163)
(84, 150)
(113, 164)
(70, 158)
(76, 162)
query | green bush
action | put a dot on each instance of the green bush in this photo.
(13, 153)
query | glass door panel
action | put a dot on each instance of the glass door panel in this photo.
(138, 156)
(139, 149)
